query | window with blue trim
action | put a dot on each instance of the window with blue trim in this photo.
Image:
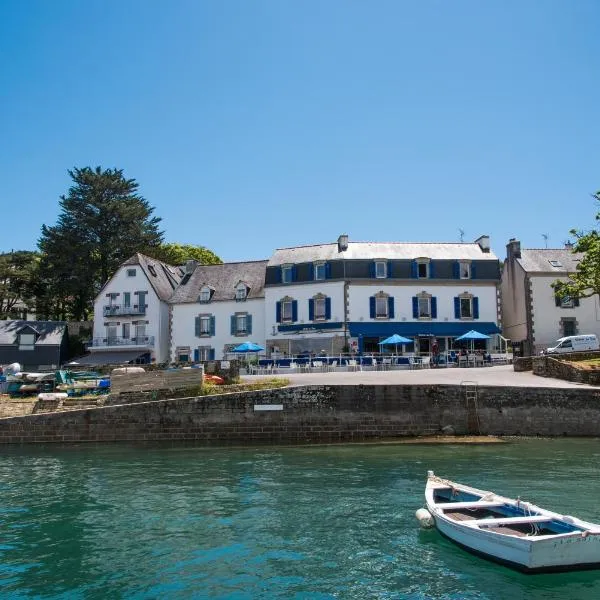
(287, 274)
(422, 269)
(464, 270)
(320, 271)
(380, 269)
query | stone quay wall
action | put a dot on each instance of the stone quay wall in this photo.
(321, 414)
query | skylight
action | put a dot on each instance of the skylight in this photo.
(555, 263)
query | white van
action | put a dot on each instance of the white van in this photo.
(574, 343)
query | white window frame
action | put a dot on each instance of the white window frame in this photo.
(320, 271)
(380, 269)
(204, 297)
(286, 274)
(470, 300)
(425, 264)
(381, 302)
(464, 270)
(286, 311)
(241, 324)
(27, 341)
(320, 309)
(204, 353)
(205, 324)
(424, 314)
(241, 292)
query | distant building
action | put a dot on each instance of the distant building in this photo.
(215, 308)
(131, 314)
(351, 295)
(531, 312)
(35, 345)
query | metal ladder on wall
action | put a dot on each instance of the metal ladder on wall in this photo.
(473, 424)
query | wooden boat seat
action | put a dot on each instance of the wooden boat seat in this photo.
(477, 504)
(491, 522)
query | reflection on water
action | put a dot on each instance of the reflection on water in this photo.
(318, 522)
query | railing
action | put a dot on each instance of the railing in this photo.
(115, 310)
(107, 342)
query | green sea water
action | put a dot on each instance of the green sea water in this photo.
(119, 521)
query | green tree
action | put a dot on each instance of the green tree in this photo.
(176, 254)
(585, 281)
(103, 221)
(17, 276)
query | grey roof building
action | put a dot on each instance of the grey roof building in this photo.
(33, 344)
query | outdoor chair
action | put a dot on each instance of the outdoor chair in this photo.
(332, 366)
(463, 361)
(386, 364)
(426, 362)
(353, 364)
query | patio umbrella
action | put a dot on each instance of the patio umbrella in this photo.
(246, 348)
(472, 335)
(395, 340)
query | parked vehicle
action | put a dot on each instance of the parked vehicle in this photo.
(575, 343)
(512, 532)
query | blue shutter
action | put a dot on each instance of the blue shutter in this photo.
(311, 309)
(389, 269)
(327, 271)
(372, 270)
(456, 307)
(476, 308)
(212, 325)
(372, 307)
(311, 272)
(415, 302)
(473, 271)
(249, 324)
(211, 354)
(294, 310)
(294, 273)
(278, 277)
(197, 326)
(196, 355)
(278, 312)
(431, 270)
(414, 273)
(391, 307)
(328, 308)
(434, 308)
(575, 301)
(456, 270)
(233, 332)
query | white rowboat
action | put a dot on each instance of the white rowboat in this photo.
(512, 532)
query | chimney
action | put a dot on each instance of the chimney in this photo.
(513, 249)
(569, 245)
(484, 242)
(343, 242)
(190, 266)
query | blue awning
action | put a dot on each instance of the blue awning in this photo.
(416, 329)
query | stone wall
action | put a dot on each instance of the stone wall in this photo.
(523, 363)
(319, 414)
(560, 368)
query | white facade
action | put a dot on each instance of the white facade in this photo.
(122, 322)
(549, 320)
(184, 338)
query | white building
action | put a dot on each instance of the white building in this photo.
(131, 314)
(215, 308)
(531, 312)
(352, 295)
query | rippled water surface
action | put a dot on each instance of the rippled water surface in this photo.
(313, 522)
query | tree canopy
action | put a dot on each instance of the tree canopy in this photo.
(176, 254)
(585, 281)
(103, 221)
(17, 275)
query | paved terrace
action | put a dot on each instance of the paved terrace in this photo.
(502, 375)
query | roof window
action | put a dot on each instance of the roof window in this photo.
(152, 270)
(555, 263)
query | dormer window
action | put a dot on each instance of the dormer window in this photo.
(380, 269)
(287, 273)
(205, 295)
(423, 269)
(26, 341)
(320, 272)
(241, 292)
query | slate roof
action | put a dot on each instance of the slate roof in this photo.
(50, 333)
(383, 250)
(163, 277)
(223, 279)
(536, 260)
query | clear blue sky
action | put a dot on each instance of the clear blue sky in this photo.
(253, 124)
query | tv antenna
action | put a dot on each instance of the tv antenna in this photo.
(461, 232)
(545, 236)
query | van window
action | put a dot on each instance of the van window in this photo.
(567, 344)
